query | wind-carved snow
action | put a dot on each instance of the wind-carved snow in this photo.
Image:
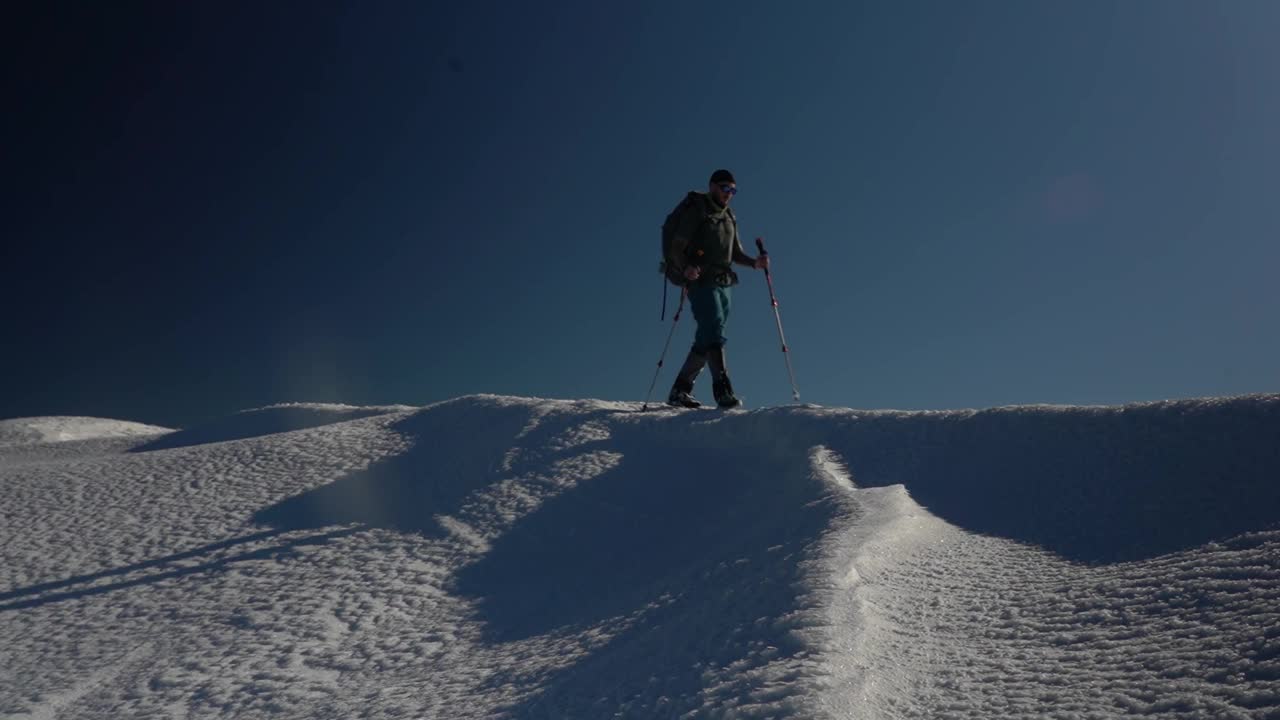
(495, 557)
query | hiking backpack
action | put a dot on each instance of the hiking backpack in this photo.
(669, 231)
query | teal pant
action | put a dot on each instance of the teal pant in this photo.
(710, 304)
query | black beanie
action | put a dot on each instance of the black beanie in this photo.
(720, 176)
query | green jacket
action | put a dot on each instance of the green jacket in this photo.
(706, 236)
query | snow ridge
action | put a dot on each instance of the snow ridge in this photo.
(495, 557)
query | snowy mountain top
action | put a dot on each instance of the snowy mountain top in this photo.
(270, 420)
(35, 430)
(284, 417)
(334, 409)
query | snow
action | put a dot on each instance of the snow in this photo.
(492, 557)
(34, 431)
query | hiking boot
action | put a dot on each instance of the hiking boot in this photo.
(724, 395)
(680, 398)
(721, 385)
(682, 391)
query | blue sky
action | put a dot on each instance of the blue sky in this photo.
(968, 204)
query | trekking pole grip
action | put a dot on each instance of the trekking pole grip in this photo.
(760, 246)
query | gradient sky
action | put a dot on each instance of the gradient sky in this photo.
(212, 207)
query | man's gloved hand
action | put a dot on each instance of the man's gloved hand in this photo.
(762, 262)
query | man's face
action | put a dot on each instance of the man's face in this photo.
(723, 192)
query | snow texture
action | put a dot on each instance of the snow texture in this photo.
(497, 557)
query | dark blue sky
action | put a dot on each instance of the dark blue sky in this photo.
(213, 207)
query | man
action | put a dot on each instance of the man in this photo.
(702, 252)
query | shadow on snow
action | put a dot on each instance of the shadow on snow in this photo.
(1094, 485)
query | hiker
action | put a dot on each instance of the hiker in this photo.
(703, 248)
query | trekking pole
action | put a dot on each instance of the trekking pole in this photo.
(786, 352)
(663, 358)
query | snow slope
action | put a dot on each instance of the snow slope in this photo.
(493, 557)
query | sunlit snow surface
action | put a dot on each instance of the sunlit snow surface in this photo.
(493, 557)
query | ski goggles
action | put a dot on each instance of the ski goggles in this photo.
(728, 190)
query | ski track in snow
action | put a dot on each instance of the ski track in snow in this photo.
(495, 557)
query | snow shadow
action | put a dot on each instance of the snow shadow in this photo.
(456, 447)
(257, 423)
(618, 541)
(692, 550)
(1094, 485)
